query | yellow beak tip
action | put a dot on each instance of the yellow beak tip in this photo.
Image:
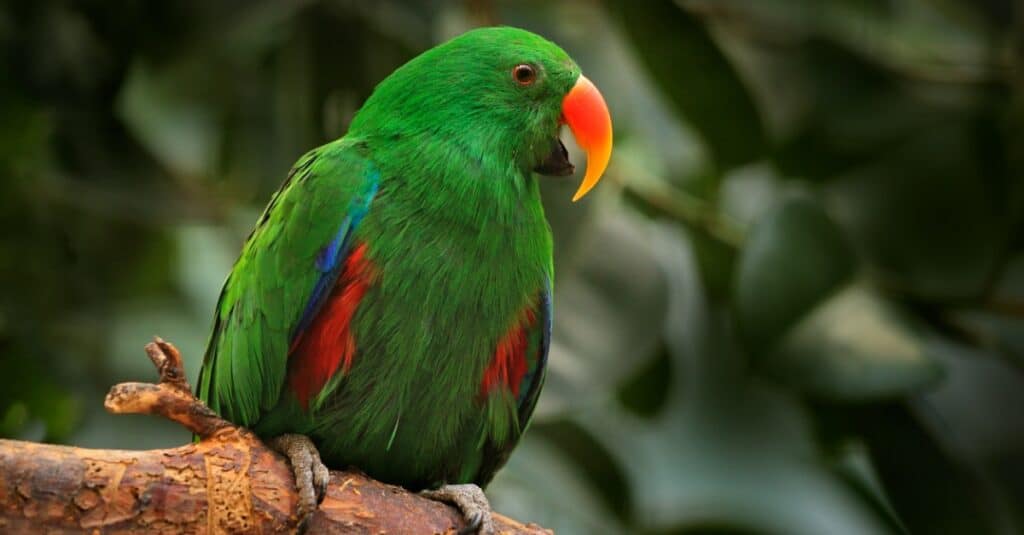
(586, 113)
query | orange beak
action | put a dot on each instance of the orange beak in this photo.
(587, 115)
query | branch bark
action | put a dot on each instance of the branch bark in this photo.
(228, 482)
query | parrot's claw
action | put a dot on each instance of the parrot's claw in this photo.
(474, 524)
(311, 476)
(471, 501)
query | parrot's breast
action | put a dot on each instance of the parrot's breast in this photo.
(438, 336)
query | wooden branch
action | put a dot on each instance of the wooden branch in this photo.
(228, 482)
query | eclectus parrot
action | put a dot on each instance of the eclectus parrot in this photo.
(393, 305)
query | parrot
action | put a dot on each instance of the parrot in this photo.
(392, 308)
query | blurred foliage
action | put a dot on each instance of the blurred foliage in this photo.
(796, 305)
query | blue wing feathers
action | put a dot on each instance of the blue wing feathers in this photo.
(242, 376)
(330, 260)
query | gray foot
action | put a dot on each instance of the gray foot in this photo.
(471, 501)
(311, 476)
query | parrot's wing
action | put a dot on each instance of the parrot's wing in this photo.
(538, 333)
(537, 358)
(285, 271)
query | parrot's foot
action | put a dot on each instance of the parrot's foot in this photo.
(311, 476)
(471, 501)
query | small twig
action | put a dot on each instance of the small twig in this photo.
(169, 365)
(171, 397)
(678, 205)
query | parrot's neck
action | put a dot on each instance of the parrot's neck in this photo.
(460, 182)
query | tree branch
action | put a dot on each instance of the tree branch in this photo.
(228, 482)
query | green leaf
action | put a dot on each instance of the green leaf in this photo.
(1001, 333)
(846, 80)
(930, 489)
(717, 262)
(853, 347)
(728, 451)
(647, 391)
(844, 94)
(795, 258)
(594, 461)
(696, 77)
(929, 221)
(998, 325)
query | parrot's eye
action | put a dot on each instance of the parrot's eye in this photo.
(524, 74)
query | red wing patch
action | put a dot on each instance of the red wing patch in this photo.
(509, 364)
(328, 343)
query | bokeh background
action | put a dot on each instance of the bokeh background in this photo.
(795, 305)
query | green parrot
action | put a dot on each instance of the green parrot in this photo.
(392, 308)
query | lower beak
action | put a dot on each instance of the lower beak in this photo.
(585, 112)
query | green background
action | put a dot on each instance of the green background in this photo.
(795, 304)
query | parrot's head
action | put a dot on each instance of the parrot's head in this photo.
(500, 94)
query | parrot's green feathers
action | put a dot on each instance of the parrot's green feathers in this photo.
(264, 298)
(394, 299)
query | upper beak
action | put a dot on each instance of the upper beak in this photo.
(585, 112)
